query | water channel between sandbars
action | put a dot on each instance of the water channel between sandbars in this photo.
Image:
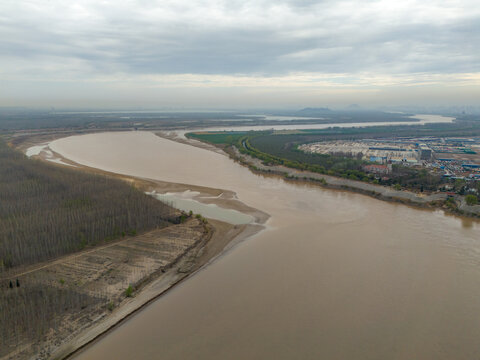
(336, 275)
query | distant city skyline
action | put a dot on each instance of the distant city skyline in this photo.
(239, 54)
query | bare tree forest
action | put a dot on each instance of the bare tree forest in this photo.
(47, 211)
(32, 310)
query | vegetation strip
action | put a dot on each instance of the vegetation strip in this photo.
(277, 152)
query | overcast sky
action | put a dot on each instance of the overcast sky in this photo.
(264, 53)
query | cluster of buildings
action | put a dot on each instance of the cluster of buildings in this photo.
(453, 157)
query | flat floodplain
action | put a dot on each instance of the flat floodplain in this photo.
(334, 275)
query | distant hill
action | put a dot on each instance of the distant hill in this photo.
(354, 107)
(314, 111)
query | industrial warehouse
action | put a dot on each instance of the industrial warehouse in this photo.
(454, 157)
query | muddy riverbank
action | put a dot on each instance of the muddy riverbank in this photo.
(151, 263)
(385, 193)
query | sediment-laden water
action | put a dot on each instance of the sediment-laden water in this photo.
(186, 201)
(335, 275)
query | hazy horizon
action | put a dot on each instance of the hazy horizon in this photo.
(239, 55)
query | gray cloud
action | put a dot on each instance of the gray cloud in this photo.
(260, 38)
(68, 41)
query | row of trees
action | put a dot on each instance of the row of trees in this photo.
(47, 211)
(282, 150)
(275, 150)
(29, 312)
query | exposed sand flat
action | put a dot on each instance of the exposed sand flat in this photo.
(104, 273)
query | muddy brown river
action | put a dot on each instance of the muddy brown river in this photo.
(335, 275)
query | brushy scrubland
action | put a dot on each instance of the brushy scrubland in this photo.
(47, 211)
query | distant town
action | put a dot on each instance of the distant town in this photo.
(453, 157)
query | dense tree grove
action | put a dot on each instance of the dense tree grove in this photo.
(287, 154)
(282, 149)
(47, 211)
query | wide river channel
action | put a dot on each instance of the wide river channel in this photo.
(334, 275)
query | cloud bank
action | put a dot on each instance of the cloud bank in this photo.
(55, 49)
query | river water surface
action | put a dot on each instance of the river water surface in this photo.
(335, 275)
(420, 119)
